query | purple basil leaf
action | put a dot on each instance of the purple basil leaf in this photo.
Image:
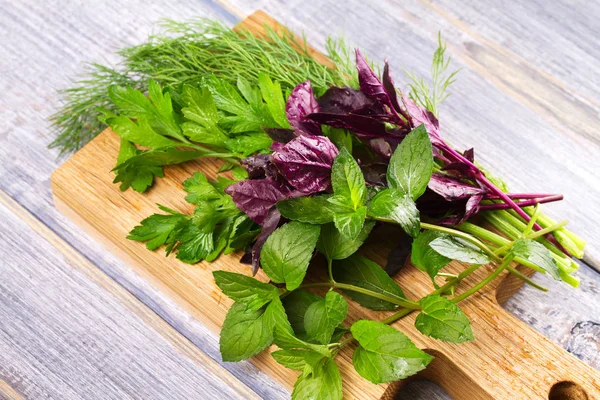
(259, 166)
(382, 148)
(276, 146)
(280, 135)
(269, 225)
(451, 188)
(462, 168)
(305, 163)
(390, 89)
(364, 127)
(471, 207)
(399, 255)
(369, 83)
(375, 174)
(419, 116)
(343, 100)
(301, 103)
(470, 154)
(256, 197)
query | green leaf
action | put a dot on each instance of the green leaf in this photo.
(196, 242)
(350, 223)
(162, 118)
(132, 103)
(537, 254)
(385, 354)
(392, 204)
(200, 189)
(287, 252)
(323, 316)
(335, 246)
(311, 210)
(340, 137)
(299, 359)
(273, 96)
(458, 249)
(245, 333)
(424, 257)
(200, 106)
(362, 272)
(347, 179)
(296, 303)
(140, 133)
(158, 229)
(244, 289)
(204, 135)
(411, 165)
(441, 319)
(324, 383)
(250, 143)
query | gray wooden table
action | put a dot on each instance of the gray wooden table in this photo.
(75, 322)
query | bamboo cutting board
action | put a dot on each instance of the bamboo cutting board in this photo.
(508, 360)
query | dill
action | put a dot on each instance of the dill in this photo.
(185, 53)
(432, 96)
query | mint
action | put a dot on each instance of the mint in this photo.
(287, 252)
(385, 354)
(537, 254)
(335, 246)
(458, 249)
(299, 359)
(244, 289)
(350, 223)
(323, 383)
(347, 179)
(311, 210)
(245, 333)
(424, 257)
(393, 204)
(323, 316)
(411, 164)
(442, 319)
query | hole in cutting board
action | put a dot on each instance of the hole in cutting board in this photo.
(421, 389)
(567, 391)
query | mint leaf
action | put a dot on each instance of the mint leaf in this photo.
(244, 289)
(200, 189)
(458, 249)
(441, 319)
(424, 257)
(392, 204)
(311, 210)
(323, 316)
(245, 333)
(324, 383)
(296, 304)
(537, 254)
(362, 272)
(350, 223)
(287, 252)
(299, 359)
(411, 164)
(335, 246)
(347, 179)
(385, 354)
(273, 96)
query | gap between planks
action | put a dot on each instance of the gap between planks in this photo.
(77, 261)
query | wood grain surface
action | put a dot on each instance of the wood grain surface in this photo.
(46, 44)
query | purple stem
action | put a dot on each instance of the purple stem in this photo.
(501, 195)
(520, 196)
(526, 203)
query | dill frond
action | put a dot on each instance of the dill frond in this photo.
(185, 53)
(432, 96)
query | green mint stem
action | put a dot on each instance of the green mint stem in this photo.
(486, 280)
(344, 286)
(330, 270)
(525, 279)
(549, 229)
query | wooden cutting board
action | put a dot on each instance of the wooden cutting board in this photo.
(508, 360)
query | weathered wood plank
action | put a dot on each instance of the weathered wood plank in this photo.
(58, 311)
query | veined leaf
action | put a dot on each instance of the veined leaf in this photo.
(323, 316)
(347, 179)
(537, 254)
(457, 249)
(324, 383)
(273, 96)
(244, 289)
(245, 333)
(424, 257)
(442, 319)
(298, 359)
(309, 209)
(336, 246)
(350, 223)
(393, 204)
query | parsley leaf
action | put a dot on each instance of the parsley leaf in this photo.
(158, 229)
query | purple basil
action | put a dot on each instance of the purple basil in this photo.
(305, 163)
(257, 196)
(452, 189)
(280, 135)
(260, 166)
(419, 116)
(269, 225)
(343, 100)
(301, 103)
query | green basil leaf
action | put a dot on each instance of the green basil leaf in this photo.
(362, 272)
(287, 252)
(311, 210)
(537, 254)
(347, 179)
(350, 223)
(385, 354)
(323, 316)
(441, 319)
(458, 249)
(245, 289)
(335, 246)
(411, 165)
(393, 204)
(245, 333)
(424, 257)
(324, 383)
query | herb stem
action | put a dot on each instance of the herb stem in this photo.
(549, 229)
(330, 270)
(486, 280)
(526, 203)
(461, 235)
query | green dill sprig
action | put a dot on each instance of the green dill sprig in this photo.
(185, 53)
(430, 97)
